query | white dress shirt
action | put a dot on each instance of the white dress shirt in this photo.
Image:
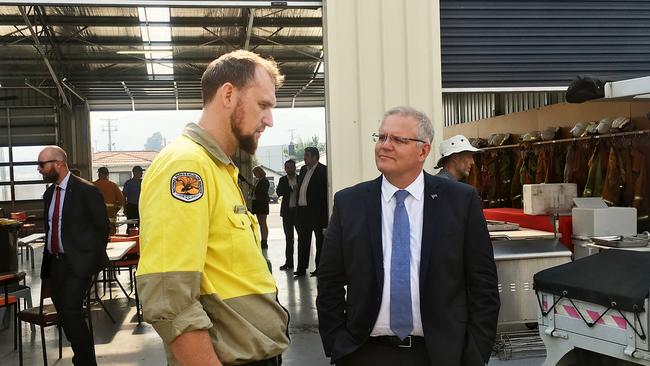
(293, 182)
(63, 185)
(302, 197)
(414, 204)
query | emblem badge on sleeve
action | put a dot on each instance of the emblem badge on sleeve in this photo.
(187, 186)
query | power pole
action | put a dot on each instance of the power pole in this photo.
(110, 129)
(291, 131)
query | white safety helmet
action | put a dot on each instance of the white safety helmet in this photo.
(453, 145)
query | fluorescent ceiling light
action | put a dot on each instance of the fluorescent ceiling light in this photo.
(160, 68)
(153, 14)
(145, 52)
(156, 34)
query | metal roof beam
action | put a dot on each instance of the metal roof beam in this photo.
(73, 90)
(38, 47)
(274, 42)
(310, 4)
(29, 85)
(176, 94)
(128, 92)
(49, 35)
(187, 22)
(293, 101)
(176, 42)
(82, 77)
(135, 61)
(246, 38)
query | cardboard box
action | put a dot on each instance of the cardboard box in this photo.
(545, 199)
(592, 218)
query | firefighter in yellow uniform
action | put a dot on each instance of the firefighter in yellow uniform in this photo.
(202, 279)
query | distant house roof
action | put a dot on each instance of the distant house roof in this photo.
(114, 158)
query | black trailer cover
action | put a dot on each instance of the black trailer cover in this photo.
(617, 279)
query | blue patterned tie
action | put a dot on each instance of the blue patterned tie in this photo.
(401, 313)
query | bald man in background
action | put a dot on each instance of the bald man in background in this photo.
(77, 233)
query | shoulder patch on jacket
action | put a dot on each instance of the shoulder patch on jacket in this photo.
(187, 186)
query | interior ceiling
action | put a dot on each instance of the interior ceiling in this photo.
(99, 52)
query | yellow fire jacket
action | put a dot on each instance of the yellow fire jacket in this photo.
(201, 266)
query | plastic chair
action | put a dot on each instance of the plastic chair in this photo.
(45, 315)
(10, 301)
(21, 291)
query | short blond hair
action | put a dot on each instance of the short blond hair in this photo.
(238, 68)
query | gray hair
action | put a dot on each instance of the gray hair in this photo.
(425, 128)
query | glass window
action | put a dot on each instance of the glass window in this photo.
(5, 193)
(26, 153)
(26, 172)
(4, 154)
(30, 191)
(4, 174)
(124, 176)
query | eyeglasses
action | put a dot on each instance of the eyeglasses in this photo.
(381, 138)
(42, 163)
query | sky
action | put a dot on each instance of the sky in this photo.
(131, 129)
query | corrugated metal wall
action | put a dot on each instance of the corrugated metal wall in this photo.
(542, 43)
(21, 126)
(466, 107)
(24, 96)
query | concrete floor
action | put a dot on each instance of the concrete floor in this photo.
(127, 343)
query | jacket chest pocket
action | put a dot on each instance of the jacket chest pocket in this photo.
(246, 256)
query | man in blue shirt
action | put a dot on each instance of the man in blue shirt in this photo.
(131, 192)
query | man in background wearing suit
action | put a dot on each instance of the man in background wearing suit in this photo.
(312, 209)
(77, 233)
(414, 252)
(287, 189)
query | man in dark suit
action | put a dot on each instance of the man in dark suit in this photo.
(312, 209)
(287, 189)
(416, 257)
(77, 228)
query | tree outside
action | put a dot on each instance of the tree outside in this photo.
(155, 142)
(300, 145)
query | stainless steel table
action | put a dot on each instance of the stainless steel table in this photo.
(517, 261)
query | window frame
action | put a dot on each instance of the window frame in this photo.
(12, 182)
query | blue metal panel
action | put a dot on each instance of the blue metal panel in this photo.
(542, 43)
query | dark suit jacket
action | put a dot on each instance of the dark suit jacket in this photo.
(261, 190)
(84, 228)
(459, 301)
(284, 190)
(316, 194)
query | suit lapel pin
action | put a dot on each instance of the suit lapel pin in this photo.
(434, 196)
